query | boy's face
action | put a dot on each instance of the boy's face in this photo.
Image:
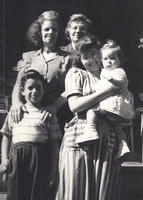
(33, 91)
(110, 59)
(91, 60)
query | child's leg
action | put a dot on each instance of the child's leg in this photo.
(122, 140)
(90, 132)
(91, 117)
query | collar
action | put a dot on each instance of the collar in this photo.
(58, 51)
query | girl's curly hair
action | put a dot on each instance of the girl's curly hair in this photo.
(33, 33)
(77, 17)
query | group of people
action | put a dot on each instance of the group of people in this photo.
(63, 134)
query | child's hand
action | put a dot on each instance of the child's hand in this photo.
(106, 74)
(141, 96)
(4, 166)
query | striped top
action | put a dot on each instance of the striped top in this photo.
(31, 128)
(81, 82)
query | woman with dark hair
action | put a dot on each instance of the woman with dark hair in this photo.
(86, 169)
(49, 60)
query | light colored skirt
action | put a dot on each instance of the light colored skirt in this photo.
(86, 173)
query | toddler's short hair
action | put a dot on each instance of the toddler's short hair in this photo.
(112, 45)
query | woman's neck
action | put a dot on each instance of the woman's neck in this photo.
(73, 45)
(37, 106)
(49, 48)
(95, 73)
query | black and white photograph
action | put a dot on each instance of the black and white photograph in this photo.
(71, 100)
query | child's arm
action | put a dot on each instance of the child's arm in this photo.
(117, 76)
(5, 146)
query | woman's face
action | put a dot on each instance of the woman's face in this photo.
(91, 60)
(77, 30)
(49, 31)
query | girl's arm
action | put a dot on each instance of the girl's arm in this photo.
(78, 103)
(5, 146)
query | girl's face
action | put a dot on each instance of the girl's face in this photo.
(49, 31)
(110, 59)
(33, 91)
(77, 30)
(91, 60)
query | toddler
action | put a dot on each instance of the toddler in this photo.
(118, 108)
(31, 165)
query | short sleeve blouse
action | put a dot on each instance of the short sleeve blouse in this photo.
(79, 81)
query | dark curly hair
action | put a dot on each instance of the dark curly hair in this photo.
(33, 33)
(77, 17)
(88, 42)
(31, 73)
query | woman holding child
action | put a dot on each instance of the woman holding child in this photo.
(49, 61)
(85, 168)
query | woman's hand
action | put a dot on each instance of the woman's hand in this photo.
(47, 113)
(17, 111)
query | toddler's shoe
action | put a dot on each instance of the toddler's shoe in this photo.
(123, 149)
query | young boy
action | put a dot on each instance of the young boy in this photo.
(31, 165)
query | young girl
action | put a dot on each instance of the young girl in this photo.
(118, 108)
(30, 172)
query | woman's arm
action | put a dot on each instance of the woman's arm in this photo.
(78, 103)
(53, 108)
(16, 108)
(60, 101)
(16, 94)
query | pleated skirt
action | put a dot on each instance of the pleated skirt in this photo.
(85, 173)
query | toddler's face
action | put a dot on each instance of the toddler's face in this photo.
(91, 60)
(33, 91)
(110, 59)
